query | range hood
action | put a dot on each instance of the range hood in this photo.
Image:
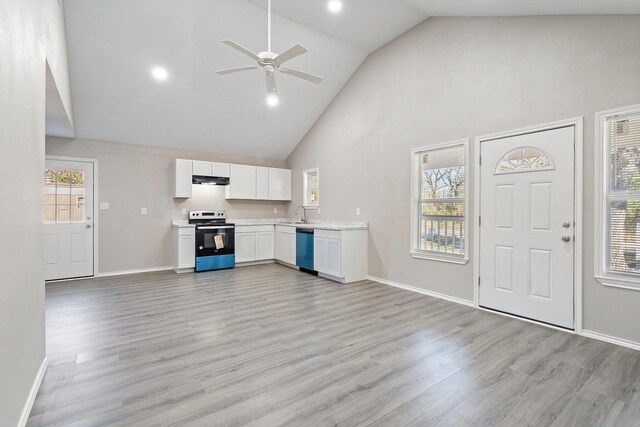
(210, 180)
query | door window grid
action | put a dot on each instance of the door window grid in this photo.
(524, 159)
(622, 198)
(63, 196)
(441, 226)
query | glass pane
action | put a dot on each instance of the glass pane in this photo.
(49, 212)
(62, 213)
(625, 159)
(442, 234)
(524, 159)
(624, 236)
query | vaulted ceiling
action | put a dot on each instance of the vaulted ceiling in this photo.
(113, 45)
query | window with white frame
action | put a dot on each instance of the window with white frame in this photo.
(619, 136)
(439, 183)
(311, 188)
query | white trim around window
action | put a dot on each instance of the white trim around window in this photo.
(602, 273)
(416, 204)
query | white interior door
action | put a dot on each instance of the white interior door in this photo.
(527, 221)
(68, 219)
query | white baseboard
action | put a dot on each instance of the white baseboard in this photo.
(33, 393)
(252, 263)
(142, 270)
(612, 340)
(422, 291)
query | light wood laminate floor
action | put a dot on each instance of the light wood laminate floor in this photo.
(268, 346)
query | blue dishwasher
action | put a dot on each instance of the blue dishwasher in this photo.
(304, 248)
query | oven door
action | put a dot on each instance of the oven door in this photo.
(215, 240)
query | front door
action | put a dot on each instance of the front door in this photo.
(68, 219)
(526, 225)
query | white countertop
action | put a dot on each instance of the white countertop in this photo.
(320, 225)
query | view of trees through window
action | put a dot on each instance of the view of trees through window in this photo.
(442, 206)
(624, 195)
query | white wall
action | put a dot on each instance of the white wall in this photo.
(31, 32)
(132, 177)
(453, 78)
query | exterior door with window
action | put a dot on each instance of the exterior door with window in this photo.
(68, 219)
(527, 220)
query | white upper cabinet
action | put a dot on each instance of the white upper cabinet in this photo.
(262, 183)
(242, 183)
(182, 178)
(279, 184)
(220, 169)
(201, 168)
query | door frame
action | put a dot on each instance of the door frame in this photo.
(96, 222)
(578, 124)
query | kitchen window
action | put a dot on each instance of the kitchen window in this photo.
(619, 198)
(311, 188)
(439, 209)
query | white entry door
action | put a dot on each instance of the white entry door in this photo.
(527, 221)
(68, 219)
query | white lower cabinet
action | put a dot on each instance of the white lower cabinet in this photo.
(245, 247)
(286, 244)
(184, 244)
(254, 243)
(340, 255)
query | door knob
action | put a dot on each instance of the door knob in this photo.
(566, 238)
(566, 224)
(88, 225)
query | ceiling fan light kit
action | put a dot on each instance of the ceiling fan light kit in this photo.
(271, 62)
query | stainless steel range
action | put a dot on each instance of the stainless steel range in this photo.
(215, 240)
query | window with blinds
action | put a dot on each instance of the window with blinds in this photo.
(622, 193)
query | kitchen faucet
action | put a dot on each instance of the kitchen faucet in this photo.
(304, 214)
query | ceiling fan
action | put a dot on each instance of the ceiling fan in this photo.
(271, 62)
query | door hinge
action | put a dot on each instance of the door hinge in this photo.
(480, 159)
(478, 281)
(479, 220)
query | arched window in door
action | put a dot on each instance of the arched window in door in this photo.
(524, 159)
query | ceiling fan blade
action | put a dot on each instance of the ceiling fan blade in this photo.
(301, 74)
(236, 69)
(290, 53)
(242, 49)
(271, 82)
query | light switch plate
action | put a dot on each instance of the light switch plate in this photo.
(104, 206)
(143, 211)
(318, 211)
(358, 211)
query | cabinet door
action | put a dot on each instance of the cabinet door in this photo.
(201, 168)
(333, 267)
(264, 245)
(182, 175)
(220, 169)
(286, 247)
(245, 247)
(242, 182)
(186, 251)
(262, 183)
(320, 254)
(279, 184)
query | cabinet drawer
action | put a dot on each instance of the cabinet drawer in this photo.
(186, 231)
(327, 234)
(253, 228)
(288, 229)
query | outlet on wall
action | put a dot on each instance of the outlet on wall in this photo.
(318, 211)
(143, 211)
(184, 211)
(104, 206)
(275, 210)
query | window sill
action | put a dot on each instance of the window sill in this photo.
(617, 282)
(443, 258)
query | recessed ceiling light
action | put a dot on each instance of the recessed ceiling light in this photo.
(272, 100)
(334, 6)
(160, 73)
